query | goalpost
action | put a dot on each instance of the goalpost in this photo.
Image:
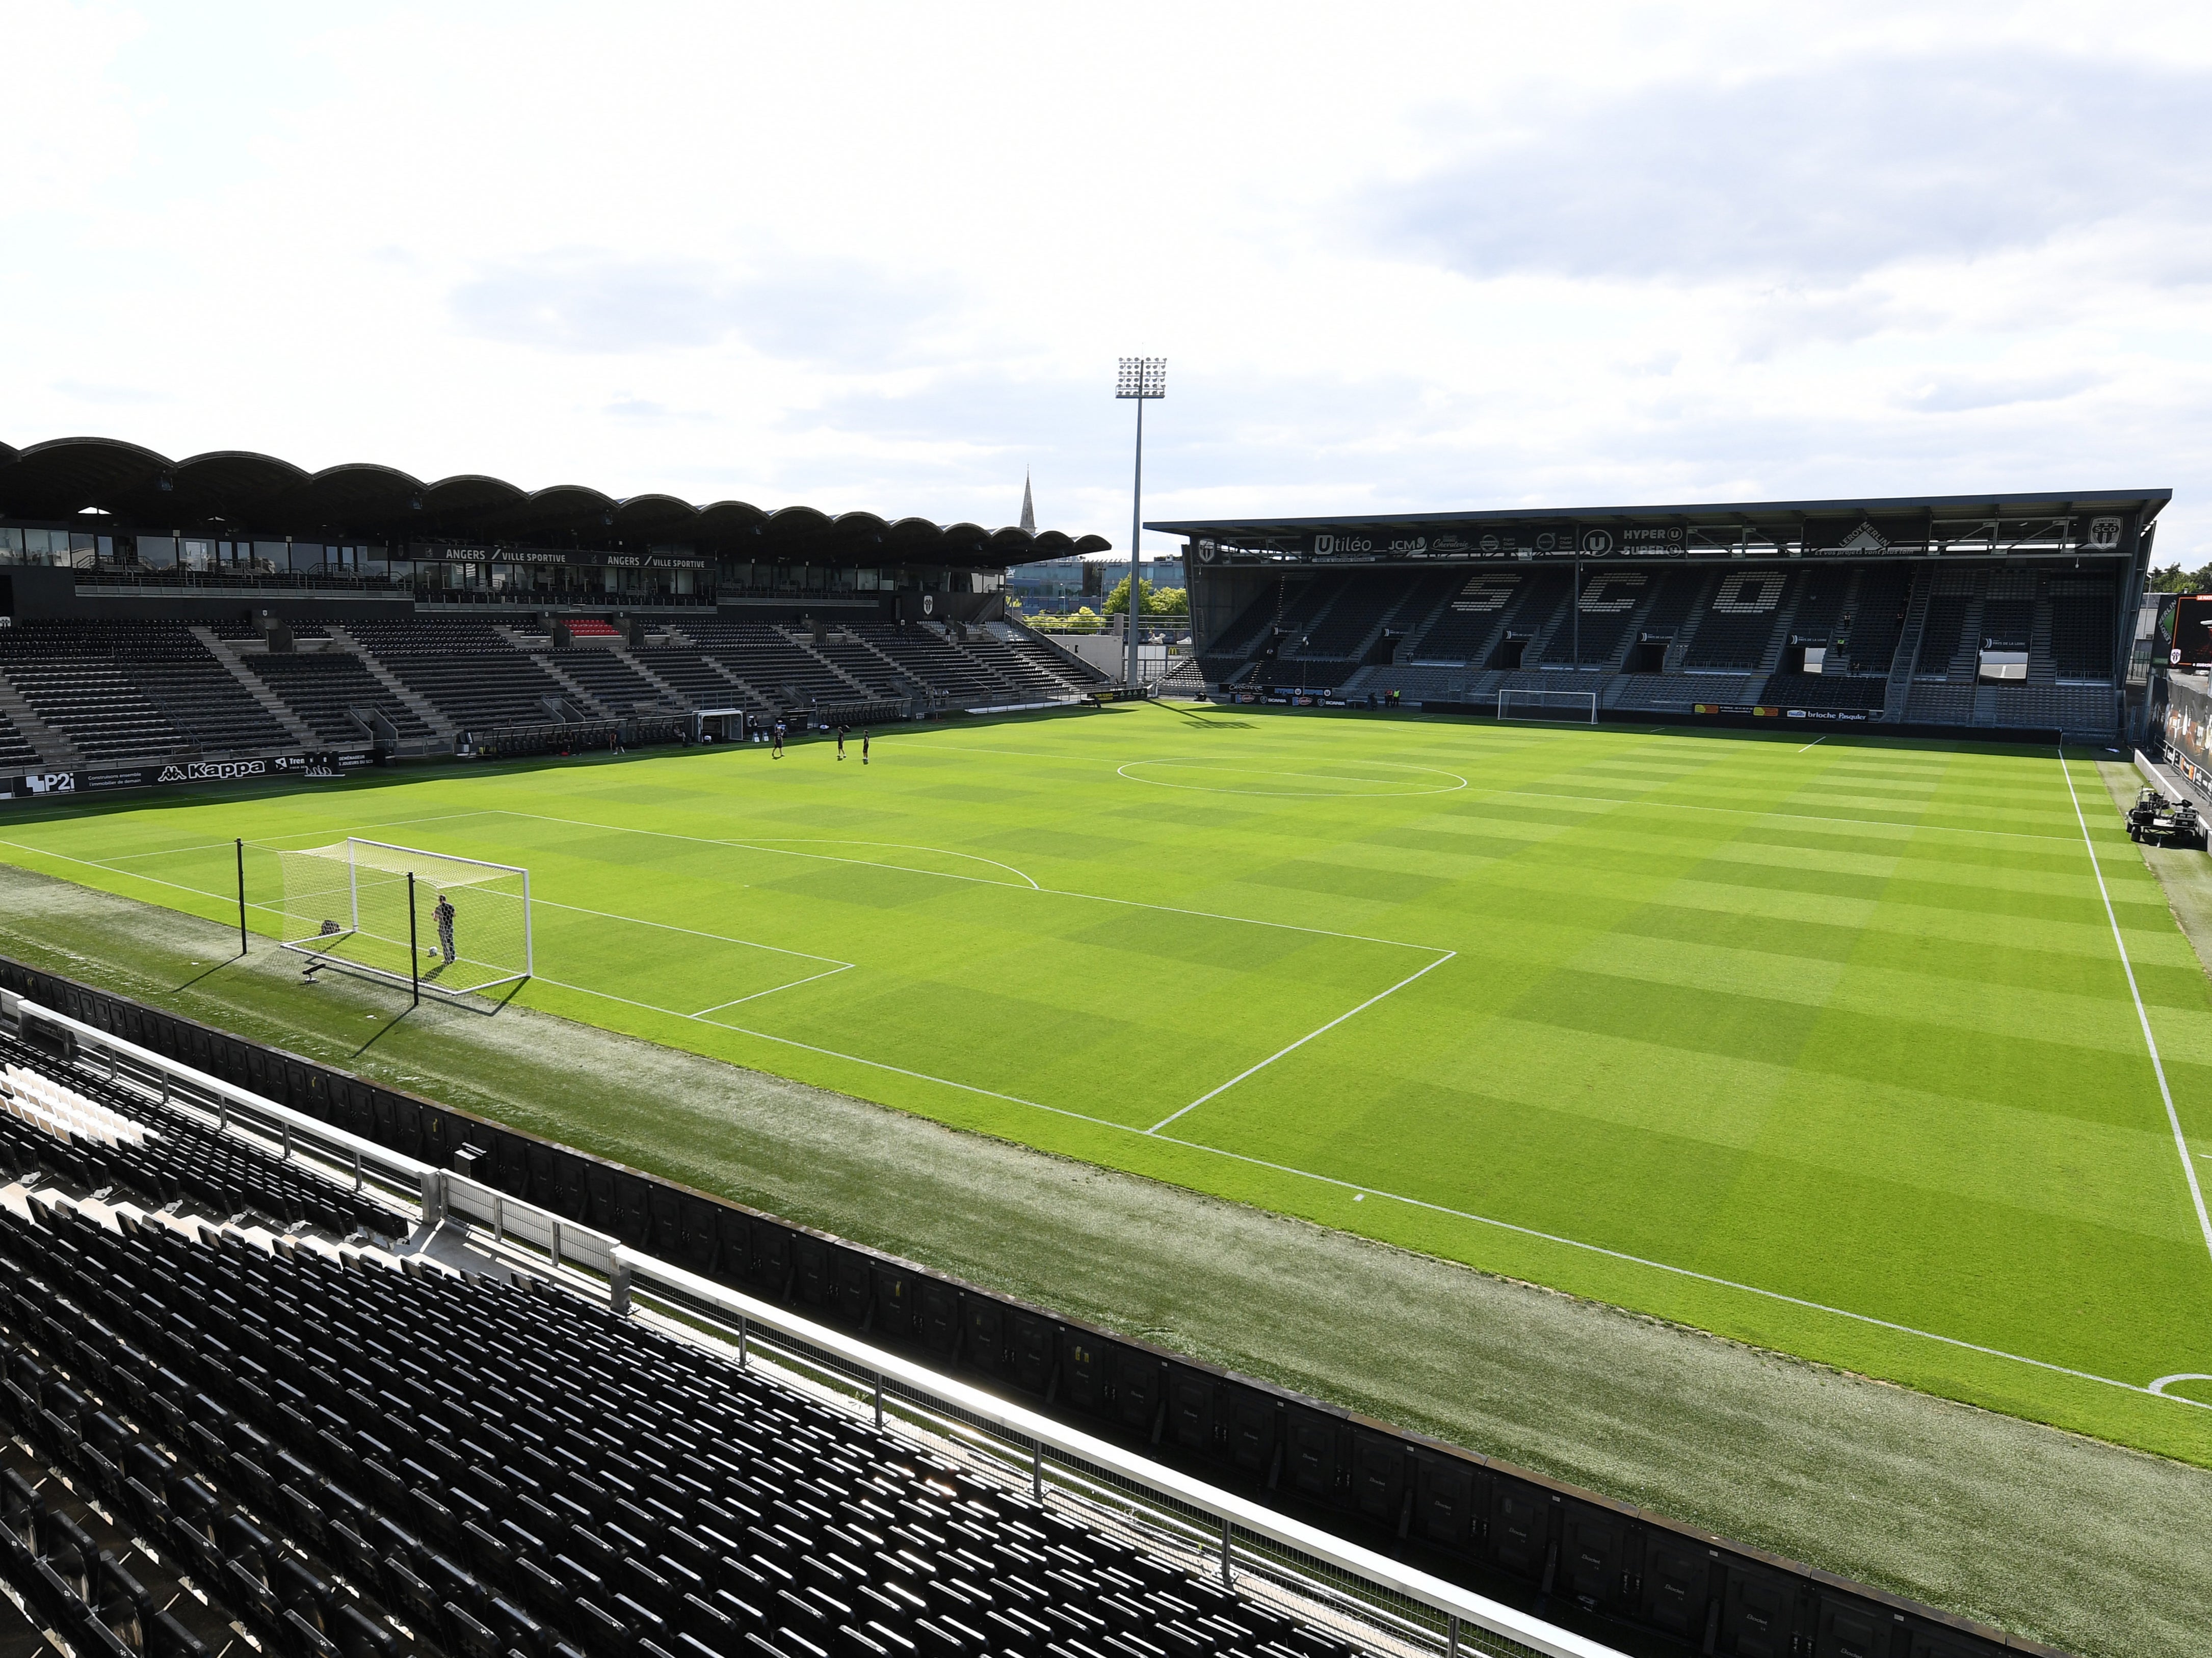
(447, 924)
(1524, 704)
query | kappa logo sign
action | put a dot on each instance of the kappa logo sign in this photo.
(214, 771)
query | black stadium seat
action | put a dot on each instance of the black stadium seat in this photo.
(348, 1459)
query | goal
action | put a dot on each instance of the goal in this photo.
(1580, 707)
(373, 907)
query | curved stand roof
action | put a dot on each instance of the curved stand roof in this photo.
(237, 492)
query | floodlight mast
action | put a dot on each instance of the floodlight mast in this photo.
(1141, 378)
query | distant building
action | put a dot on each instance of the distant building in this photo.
(1056, 584)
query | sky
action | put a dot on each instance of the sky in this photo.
(1397, 257)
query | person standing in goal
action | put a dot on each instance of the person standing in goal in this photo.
(443, 915)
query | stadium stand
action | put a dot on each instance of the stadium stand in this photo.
(132, 690)
(1464, 630)
(1226, 656)
(1608, 604)
(1936, 611)
(467, 669)
(697, 679)
(15, 749)
(931, 659)
(606, 678)
(1877, 618)
(93, 704)
(1656, 639)
(326, 689)
(1739, 620)
(855, 662)
(780, 672)
(2082, 613)
(1033, 667)
(1946, 640)
(252, 1403)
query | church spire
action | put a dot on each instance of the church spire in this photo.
(1029, 512)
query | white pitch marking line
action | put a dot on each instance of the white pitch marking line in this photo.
(1441, 1209)
(842, 967)
(976, 880)
(1285, 1169)
(168, 851)
(1679, 1272)
(128, 875)
(1815, 743)
(1290, 794)
(2142, 1016)
(1300, 1043)
(1753, 812)
(766, 843)
(667, 926)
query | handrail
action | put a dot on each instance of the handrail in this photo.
(396, 1166)
(569, 1243)
(1448, 1600)
(566, 1242)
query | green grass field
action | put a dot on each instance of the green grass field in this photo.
(1828, 1048)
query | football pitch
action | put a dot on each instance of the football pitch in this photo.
(1886, 1053)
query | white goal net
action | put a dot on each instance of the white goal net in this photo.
(451, 924)
(1521, 704)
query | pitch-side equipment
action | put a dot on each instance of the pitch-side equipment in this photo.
(445, 925)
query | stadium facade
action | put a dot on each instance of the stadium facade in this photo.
(1999, 614)
(96, 526)
(232, 616)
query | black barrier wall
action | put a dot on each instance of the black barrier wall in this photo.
(1503, 1530)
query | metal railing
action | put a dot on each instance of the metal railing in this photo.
(1363, 1595)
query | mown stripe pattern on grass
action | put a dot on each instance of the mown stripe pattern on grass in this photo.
(1846, 1023)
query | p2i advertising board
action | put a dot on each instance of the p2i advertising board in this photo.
(54, 785)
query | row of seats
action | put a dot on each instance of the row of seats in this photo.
(184, 1160)
(94, 704)
(1731, 635)
(352, 1457)
(133, 691)
(326, 687)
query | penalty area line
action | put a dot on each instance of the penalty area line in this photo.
(1684, 1272)
(842, 967)
(1621, 1255)
(689, 932)
(2142, 1015)
(1300, 1043)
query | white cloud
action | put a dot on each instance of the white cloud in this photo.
(863, 256)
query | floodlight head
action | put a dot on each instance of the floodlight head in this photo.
(1142, 377)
